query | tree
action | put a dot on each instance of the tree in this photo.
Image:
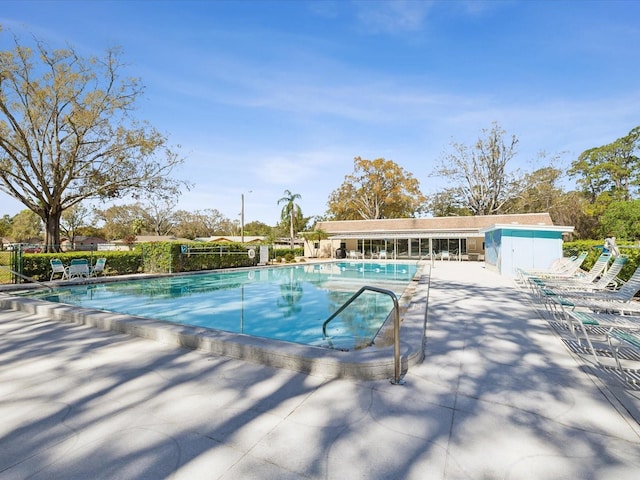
(67, 134)
(5, 227)
(479, 178)
(158, 214)
(73, 218)
(257, 228)
(25, 225)
(376, 189)
(622, 219)
(447, 203)
(540, 193)
(202, 223)
(290, 211)
(120, 221)
(572, 208)
(612, 170)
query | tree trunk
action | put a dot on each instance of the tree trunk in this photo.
(291, 228)
(52, 232)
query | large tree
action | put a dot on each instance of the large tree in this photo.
(290, 212)
(74, 218)
(121, 221)
(376, 189)
(622, 220)
(25, 226)
(67, 133)
(159, 214)
(202, 223)
(541, 192)
(612, 170)
(479, 177)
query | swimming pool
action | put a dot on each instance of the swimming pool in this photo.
(287, 303)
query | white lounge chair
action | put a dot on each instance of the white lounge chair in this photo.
(79, 268)
(617, 301)
(98, 267)
(57, 267)
(618, 338)
(579, 286)
(589, 324)
(560, 268)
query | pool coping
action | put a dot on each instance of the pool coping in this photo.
(374, 362)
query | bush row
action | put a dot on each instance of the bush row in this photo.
(155, 257)
(38, 266)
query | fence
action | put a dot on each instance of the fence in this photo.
(153, 257)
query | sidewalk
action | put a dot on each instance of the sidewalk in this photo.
(499, 396)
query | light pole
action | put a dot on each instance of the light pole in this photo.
(242, 217)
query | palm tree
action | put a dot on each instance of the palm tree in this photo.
(290, 210)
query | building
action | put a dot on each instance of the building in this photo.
(81, 242)
(458, 238)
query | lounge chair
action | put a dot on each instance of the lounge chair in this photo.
(618, 338)
(560, 268)
(590, 282)
(57, 267)
(619, 301)
(79, 268)
(98, 267)
(591, 324)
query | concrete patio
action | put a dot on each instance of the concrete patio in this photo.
(498, 396)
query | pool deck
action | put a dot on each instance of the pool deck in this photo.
(498, 396)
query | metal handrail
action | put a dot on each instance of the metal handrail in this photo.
(396, 326)
(26, 277)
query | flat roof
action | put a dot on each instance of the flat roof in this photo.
(545, 228)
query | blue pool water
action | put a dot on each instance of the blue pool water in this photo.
(284, 303)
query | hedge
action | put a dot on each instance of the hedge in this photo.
(38, 266)
(169, 257)
(152, 257)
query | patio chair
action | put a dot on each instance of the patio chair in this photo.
(618, 301)
(57, 267)
(382, 254)
(98, 267)
(584, 284)
(79, 268)
(444, 255)
(591, 324)
(565, 267)
(617, 338)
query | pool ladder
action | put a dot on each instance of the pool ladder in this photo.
(396, 380)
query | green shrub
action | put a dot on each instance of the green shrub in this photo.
(152, 257)
(282, 252)
(199, 256)
(38, 266)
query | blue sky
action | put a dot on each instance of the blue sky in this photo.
(265, 96)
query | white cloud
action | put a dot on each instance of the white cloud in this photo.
(393, 17)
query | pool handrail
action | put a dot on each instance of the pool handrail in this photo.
(397, 380)
(26, 277)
